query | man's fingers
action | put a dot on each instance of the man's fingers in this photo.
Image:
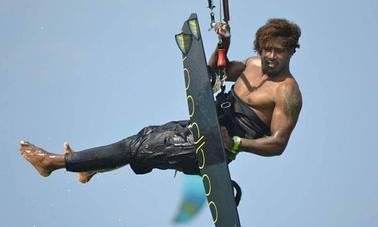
(225, 135)
(217, 26)
(223, 129)
(221, 27)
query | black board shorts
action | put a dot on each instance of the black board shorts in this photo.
(169, 146)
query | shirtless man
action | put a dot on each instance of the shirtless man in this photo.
(266, 102)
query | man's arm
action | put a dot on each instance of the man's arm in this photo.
(285, 115)
(223, 32)
(233, 68)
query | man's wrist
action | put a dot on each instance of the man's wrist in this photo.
(226, 41)
(235, 145)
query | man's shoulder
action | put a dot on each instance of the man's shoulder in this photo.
(288, 82)
(290, 88)
(254, 61)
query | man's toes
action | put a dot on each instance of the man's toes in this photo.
(67, 148)
(24, 149)
(83, 180)
(24, 143)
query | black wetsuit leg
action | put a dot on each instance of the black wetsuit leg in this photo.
(100, 158)
(169, 146)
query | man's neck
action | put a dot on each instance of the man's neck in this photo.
(285, 73)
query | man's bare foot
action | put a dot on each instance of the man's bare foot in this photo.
(43, 161)
(83, 177)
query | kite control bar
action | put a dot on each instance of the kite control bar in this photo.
(221, 49)
(226, 12)
(212, 16)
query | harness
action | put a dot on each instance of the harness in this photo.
(238, 117)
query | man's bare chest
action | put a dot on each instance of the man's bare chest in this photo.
(257, 92)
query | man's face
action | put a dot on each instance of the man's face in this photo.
(275, 57)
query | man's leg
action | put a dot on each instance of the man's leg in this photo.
(169, 146)
(44, 162)
(106, 157)
(98, 159)
(84, 177)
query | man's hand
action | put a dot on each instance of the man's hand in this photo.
(228, 143)
(222, 30)
(227, 140)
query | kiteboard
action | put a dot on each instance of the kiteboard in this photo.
(205, 127)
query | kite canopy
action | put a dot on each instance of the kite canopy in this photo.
(192, 200)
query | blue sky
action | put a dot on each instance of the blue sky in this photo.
(94, 72)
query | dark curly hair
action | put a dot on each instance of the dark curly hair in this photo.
(276, 27)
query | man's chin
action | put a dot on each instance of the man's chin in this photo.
(270, 72)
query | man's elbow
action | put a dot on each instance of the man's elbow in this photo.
(278, 152)
(280, 147)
